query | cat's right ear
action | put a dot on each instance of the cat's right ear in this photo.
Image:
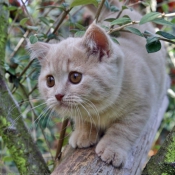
(38, 50)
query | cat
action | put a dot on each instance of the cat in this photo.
(110, 90)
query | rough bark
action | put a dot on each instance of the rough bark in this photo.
(164, 161)
(85, 161)
(14, 133)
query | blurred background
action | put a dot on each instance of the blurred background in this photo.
(40, 20)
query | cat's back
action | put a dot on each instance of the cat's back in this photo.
(143, 70)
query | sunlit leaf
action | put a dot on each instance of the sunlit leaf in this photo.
(149, 17)
(124, 7)
(7, 159)
(23, 21)
(12, 8)
(83, 2)
(121, 21)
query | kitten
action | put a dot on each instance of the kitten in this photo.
(104, 87)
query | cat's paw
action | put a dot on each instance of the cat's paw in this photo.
(83, 139)
(111, 153)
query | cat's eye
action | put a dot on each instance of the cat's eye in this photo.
(75, 77)
(50, 81)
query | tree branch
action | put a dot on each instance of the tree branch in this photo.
(85, 161)
(14, 133)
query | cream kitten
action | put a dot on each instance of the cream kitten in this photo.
(105, 88)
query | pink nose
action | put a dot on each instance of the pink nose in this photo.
(59, 97)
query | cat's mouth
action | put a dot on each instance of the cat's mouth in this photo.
(63, 105)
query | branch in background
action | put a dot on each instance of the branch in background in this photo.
(61, 139)
(17, 138)
(120, 12)
(28, 14)
(99, 10)
(122, 27)
(65, 13)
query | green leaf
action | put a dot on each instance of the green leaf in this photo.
(114, 9)
(124, 7)
(79, 26)
(149, 17)
(146, 4)
(162, 22)
(12, 8)
(165, 35)
(79, 33)
(33, 39)
(121, 21)
(83, 2)
(173, 21)
(153, 44)
(107, 4)
(24, 57)
(23, 21)
(110, 19)
(7, 159)
(44, 20)
(134, 30)
(115, 40)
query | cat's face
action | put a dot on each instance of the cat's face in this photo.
(77, 78)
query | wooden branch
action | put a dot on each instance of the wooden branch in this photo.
(85, 161)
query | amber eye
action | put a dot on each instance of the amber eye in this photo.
(75, 77)
(50, 81)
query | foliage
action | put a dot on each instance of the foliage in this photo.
(56, 20)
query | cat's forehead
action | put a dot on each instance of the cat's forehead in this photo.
(67, 54)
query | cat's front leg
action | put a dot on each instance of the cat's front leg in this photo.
(85, 135)
(118, 140)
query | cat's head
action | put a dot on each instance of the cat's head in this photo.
(80, 76)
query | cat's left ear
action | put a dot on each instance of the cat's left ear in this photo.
(97, 41)
(38, 50)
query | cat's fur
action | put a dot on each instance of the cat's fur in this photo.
(121, 87)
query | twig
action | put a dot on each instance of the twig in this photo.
(30, 17)
(167, 40)
(60, 22)
(119, 13)
(34, 88)
(61, 138)
(99, 10)
(25, 69)
(122, 27)
(168, 15)
(19, 44)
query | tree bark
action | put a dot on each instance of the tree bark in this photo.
(164, 161)
(85, 161)
(14, 133)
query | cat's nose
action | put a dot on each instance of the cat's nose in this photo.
(59, 97)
